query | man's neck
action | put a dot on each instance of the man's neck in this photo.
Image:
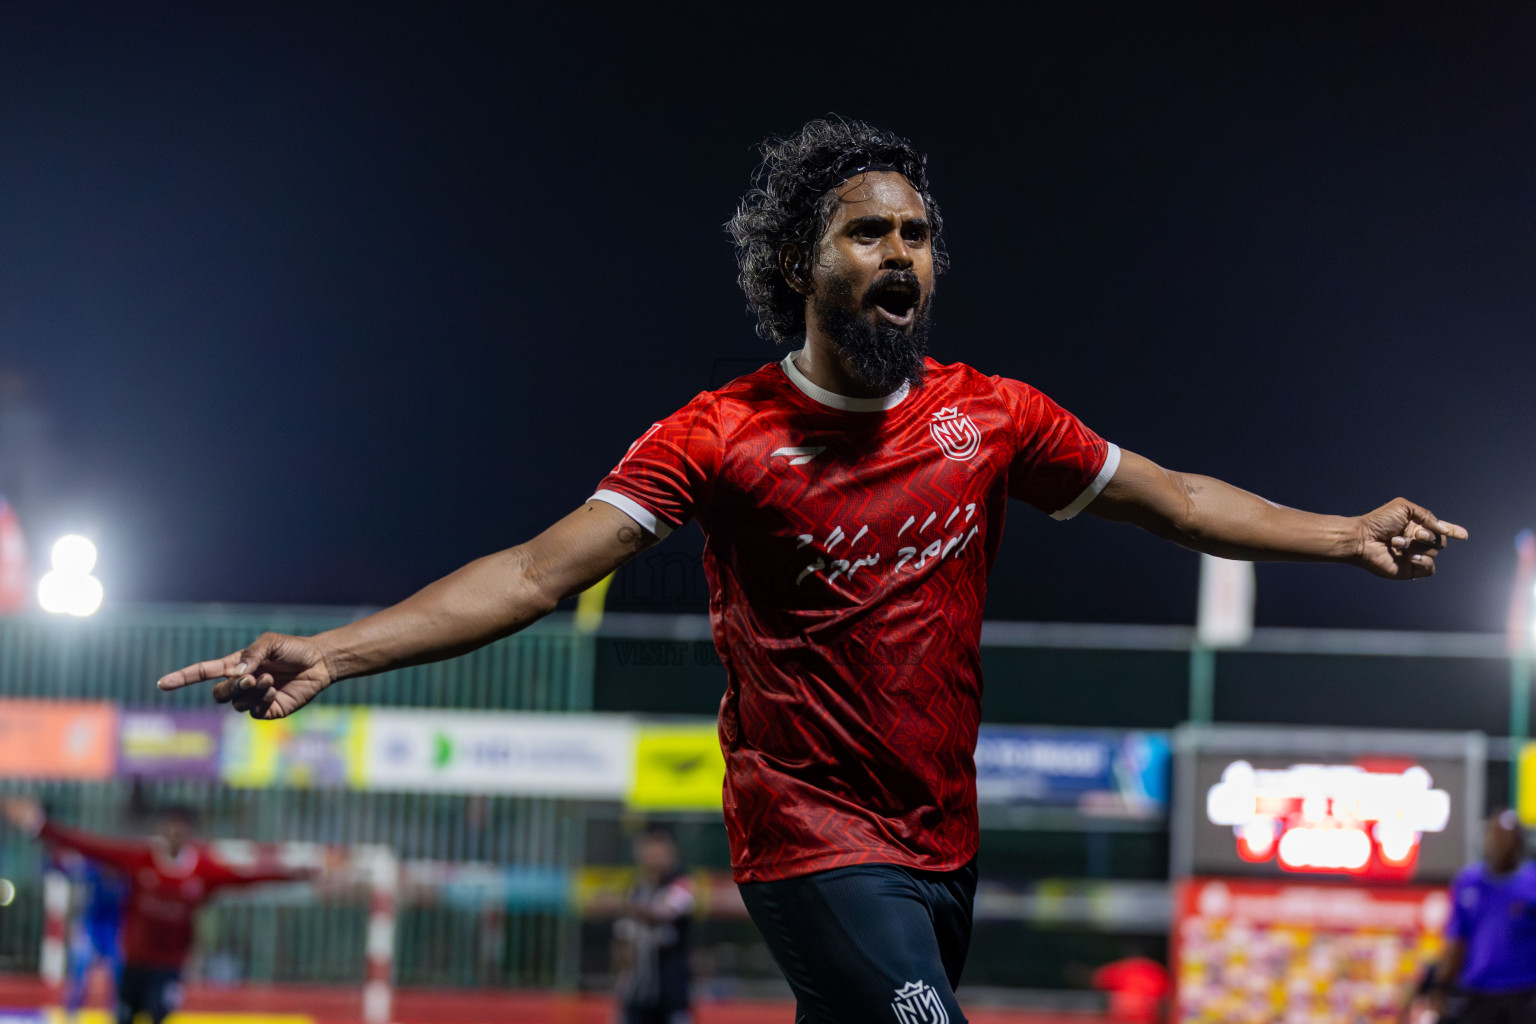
(1502, 870)
(824, 366)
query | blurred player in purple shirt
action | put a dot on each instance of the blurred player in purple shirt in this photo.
(1490, 949)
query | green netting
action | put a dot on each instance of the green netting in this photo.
(118, 656)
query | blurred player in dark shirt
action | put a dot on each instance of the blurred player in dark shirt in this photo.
(655, 930)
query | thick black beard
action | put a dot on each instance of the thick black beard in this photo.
(883, 356)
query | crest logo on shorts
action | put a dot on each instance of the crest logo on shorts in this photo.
(917, 1003)
(957, 436)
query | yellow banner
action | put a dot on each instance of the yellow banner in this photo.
(678, 768)
(1526, 804)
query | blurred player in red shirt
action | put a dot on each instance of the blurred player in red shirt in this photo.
(1136, 987)
(852, 497)
(170, 875)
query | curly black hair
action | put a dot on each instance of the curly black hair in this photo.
(791, 200)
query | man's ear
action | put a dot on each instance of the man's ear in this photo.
(794, 266)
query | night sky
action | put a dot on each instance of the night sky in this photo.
(323, 300)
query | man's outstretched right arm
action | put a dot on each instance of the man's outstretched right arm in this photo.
(27, 815)
(486, 600)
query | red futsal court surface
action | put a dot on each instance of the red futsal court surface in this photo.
(297, 1004)
(323, 1004)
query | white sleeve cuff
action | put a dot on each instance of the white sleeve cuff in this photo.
(1106, 473)
(647, 520)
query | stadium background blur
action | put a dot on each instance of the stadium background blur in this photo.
(378, 210)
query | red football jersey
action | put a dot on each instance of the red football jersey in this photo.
(164, 891)
(847, 545)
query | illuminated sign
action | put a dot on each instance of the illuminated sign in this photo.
(1358, 819)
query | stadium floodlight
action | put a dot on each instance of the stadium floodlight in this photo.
(74, 554)
(69, 594)
(70, 589)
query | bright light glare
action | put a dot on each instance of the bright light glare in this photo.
(1397, 844)
(1345, 849)
(71, 589)
(7, 892)
(69, 593)
(1259, 836)
(74, 554)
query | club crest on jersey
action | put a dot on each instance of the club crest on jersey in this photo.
(917, 1003)
(957, 436)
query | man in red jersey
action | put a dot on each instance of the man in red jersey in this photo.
(852, 499)
(169, 877)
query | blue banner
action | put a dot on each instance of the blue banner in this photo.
(1098, 772)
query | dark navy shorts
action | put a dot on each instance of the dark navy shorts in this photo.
(147, 990)
(871, 943)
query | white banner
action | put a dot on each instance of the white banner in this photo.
(1225, 616)
(590, 756)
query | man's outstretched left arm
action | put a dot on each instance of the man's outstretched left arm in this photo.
(1398, 541)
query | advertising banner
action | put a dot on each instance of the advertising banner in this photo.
(1527, 788)
(1095, 771)
(323, 747)
(678, 767)
(57, 739)
(170, 744)
(1293, 953)
(587, 756)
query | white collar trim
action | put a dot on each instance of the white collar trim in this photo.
(836, 401)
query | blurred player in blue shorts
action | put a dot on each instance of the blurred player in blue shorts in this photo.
(95, 933)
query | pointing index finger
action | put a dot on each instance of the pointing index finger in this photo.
(1450, 529)
(201, 672)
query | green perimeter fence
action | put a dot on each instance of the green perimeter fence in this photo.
(117, 658)
(1039, 674)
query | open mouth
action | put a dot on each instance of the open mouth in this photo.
(896, 300)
